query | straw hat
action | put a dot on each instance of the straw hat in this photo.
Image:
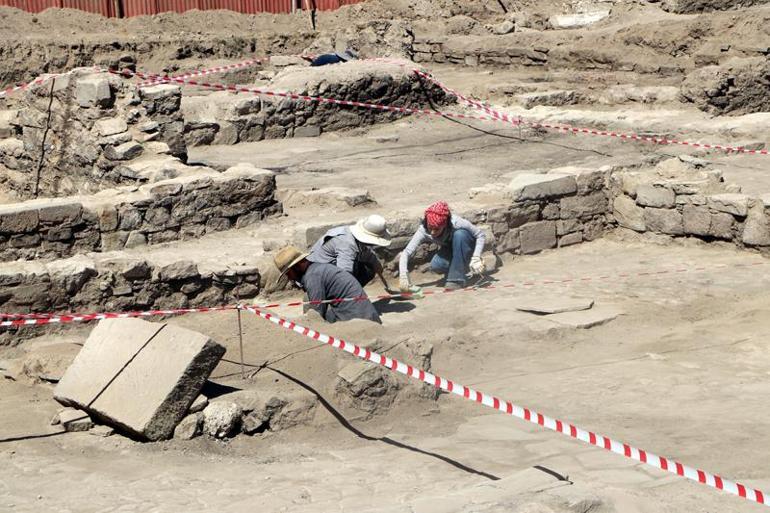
(371, 230)
(287, 258)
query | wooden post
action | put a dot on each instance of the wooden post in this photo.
(240, 341)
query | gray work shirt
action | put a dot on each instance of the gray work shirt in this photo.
(422, 236)
(339, 247)
(325, 281)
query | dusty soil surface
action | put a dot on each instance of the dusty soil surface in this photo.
(681, 371)
(677, 387)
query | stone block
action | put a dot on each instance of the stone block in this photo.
(648, 195)
(519, 216)
(307, 131)
(663, 220)
(528, 186)
(756, 230)
(59, 212)
(570, 239)
(125, 151)
(553, 304)
(731, 203)
(537, 236)
(135, 239)
(509, 242)
(696, 220)
(628, 214)
(18, 218)
(73, 420)
(190, 427)
(138, 376)
(94, 92)
(179, 271)
(222, 419)
(585, 319)
(588, 179)
(582, 207)
(111, 126)
(722, 226)
(564, 226)
(573, 21)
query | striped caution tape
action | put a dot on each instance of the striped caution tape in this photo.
(565, 428)
(34, 319)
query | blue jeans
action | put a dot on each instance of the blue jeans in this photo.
(453, 258)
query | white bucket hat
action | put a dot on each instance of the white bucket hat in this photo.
(371, 230)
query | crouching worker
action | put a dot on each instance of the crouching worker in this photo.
(323, 282)
(351, 248)
(460, 245)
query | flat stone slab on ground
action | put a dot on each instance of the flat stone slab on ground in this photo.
(140, 377)
(585, 319)
(553, 305)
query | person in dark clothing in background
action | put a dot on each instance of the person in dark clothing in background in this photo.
(323, 282)
(333, 58)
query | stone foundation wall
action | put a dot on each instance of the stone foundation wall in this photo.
(697, 203)
(179, 208)
(97, 125)
(107, 284)
(221, 118)
(532, 213)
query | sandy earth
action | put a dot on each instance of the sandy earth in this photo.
(682, 371)
(678, 387)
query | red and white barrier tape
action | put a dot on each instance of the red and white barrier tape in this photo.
(301, 97)
(520, 412)
(32, 319)
(207, 71)
(501, 116)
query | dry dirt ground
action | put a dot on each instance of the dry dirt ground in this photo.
(690, 386)
(682, 371)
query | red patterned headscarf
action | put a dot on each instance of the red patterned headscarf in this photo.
(437, 214)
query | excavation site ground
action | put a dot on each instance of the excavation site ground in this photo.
(612, 359)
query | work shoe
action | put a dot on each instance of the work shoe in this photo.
(454, 285)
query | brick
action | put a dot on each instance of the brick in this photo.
(139, 377)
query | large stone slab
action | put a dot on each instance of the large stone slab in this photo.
(529, 186)
(138, 376)
(553, 304)
(537, 236)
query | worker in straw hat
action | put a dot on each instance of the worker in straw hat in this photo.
(324, 282)
(460, 245)
(351, 248)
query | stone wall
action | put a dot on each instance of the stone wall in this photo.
(179, 208)
(223, 118)
(96, 126)
(475, 51)
(114, 283)
(684, 198)
(532, 213)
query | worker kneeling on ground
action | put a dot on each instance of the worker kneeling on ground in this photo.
(460, 245)
(323, 282)
(351, 248)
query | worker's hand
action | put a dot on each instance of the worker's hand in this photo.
(403, 284)
(477, 265)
